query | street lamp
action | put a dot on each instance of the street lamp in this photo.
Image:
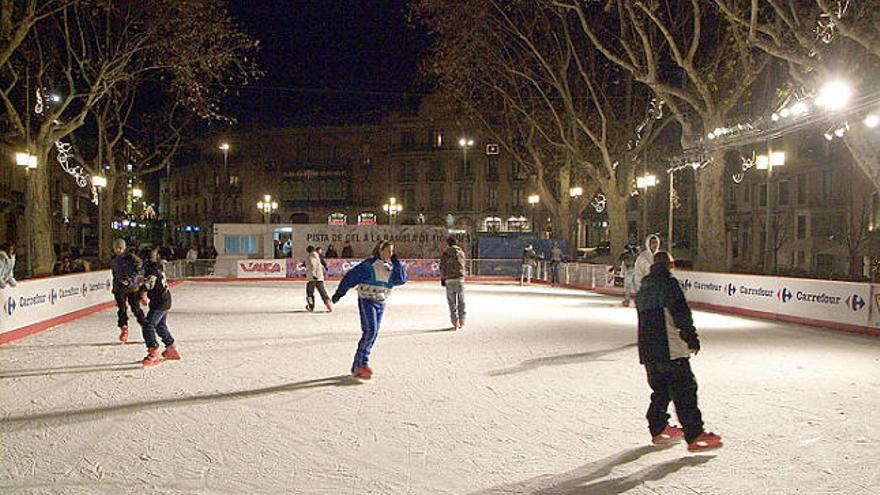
(835, 95)
(224, 147)
(267, 207)
(576, 192)
(767, 162)
(100, 182)
(28, 162)
(644, 182)
(465, 144)
(533, 200)
(392, 208)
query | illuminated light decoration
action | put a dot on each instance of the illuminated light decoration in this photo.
(534, 199)
(599, 202)
(711, 135)
(337, 218)
(829, 136)
(676, 200)
(784, 113)
(39, 106)
(774, 117)
(65, 154)
(762, 162)
(826, 26)
(646, 181)
(800, 108)
(835, 95)
(872, 120)
(575, 192)
(655, 112)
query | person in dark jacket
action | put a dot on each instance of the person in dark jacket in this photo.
(452, 270)
(159, 294)
(667, 337)
(127, 279)
(347, 251)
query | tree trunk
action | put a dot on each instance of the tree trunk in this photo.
(615, 208)
(711, 230)
(39, 216)
(105, 218)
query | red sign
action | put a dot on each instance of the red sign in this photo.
(260, 267)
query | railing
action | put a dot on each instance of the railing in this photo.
(180, 269)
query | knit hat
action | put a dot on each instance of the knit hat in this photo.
(119, 243)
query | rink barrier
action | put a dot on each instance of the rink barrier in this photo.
(38, 305)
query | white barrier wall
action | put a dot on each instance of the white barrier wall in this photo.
(35, 301)
(845, 303)
(262, 268)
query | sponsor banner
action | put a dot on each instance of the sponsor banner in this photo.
(835, 302)
(262, 268)
(35, 301)
(339, 267)
(410, 241)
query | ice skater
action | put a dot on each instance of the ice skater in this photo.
(627, 262)
(529, 262)
(126, 287)
(452, 263)
(556, 257)
(159, 295)
(315, 279)
(374, 278)
(667, 338)
(645, 259)
(7, 265)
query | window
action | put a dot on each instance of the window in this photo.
(492, 199)
(437, 198)
(824, 264)
(407, 172)
(731, 195)
(519, 198)
(801, 227)
(435, 137)
(435, 171)
(763, 190)
(240, 244)
(801, 189)
(782, 193)
(409, 199)
(464, 169)
(492, 168)
(233, 180)
(801, 259)
(464, 198)
(407, 140)
(826, 186)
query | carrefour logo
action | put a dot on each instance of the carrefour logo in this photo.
(731, 289)
(685, 284)
(9, 306)
(85, 289)
(784, 295)
(53, 296)
(855, 303)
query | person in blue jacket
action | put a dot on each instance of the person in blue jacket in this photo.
(374, 278)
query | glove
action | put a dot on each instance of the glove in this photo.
(335, 299)
(394, 258)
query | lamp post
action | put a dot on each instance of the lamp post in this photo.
(392, 208)
(267, 207)
(100, 182)
(768, 162)
(224, 147)
(644, 182)
(28, 162)
(534, 199)
(465, 144)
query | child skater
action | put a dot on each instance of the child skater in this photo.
(126, 287)
(667, 338)
(374, 278)
(315, 277)
(160, 303)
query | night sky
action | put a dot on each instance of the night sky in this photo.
(330, 60)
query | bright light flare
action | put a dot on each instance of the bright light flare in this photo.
(834, 96)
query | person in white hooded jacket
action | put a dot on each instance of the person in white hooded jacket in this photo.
(315, 278)
(646, 259)
(7, 265)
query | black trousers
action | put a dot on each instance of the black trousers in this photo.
(134, 302)
(673, 380)
(310, 292)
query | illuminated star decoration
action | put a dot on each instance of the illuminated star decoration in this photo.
(826, 26)
(747, 163)
(65, 155)
(598, 203)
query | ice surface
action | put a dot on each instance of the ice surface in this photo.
(540, 393)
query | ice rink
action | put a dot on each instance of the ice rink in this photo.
(540, 393)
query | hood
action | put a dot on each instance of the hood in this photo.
(648, 242)
(4, 255)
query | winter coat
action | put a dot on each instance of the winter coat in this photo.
(374, 278)
(556, 254)
(314, 267)
(157, 285)
(666, 328)
(529, 257)
(347, 251)
(452, 263)
(126, 273)
(7, 270)
(645, 260)
(628, 261)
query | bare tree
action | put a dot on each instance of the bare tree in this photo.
(88, 50)
(566, 109)
(820, 40)
(702, 68)
(18, 17)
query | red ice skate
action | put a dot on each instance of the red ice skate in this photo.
(459, 325)
(329, 306)
(152, 358)
(123, 334)
(171, 353)
(364, 373)
(706, 441)
(669, 435)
